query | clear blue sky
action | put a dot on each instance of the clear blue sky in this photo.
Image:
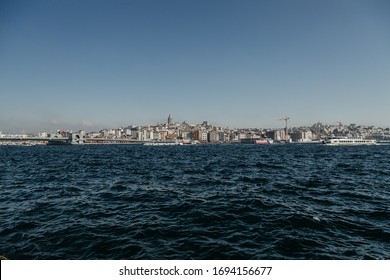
(74, 64)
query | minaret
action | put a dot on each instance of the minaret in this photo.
(169, 120)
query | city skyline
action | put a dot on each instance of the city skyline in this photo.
(171, 123)
(99, 64)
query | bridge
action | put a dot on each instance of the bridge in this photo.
(44, 140)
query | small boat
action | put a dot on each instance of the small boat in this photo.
(347, 141)
(263, 141)
(257, 141)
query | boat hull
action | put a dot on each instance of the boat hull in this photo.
(266, 141)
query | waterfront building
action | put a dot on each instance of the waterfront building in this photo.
(185, 134)
(200, 135)
(134, 132)
(127, 131)
(203, 136)
(301, 136)
(118, 133)
(277, 135)
(243, 135)
(213, 136)
(162, 134)
(143, 135)
(173, 135)
(94, 135)
(155, 136)
(196, 135)
(235, 136)
(221, 136)
(108, 133)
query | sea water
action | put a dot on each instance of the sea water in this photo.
(287, 201)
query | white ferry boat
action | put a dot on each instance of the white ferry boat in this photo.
(347, 141)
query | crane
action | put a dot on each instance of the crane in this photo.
(286, 128)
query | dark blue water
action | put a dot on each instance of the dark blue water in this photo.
(195, 202)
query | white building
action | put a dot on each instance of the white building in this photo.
(203, 136)
(118, 133)
(145, 135)
(42, 134)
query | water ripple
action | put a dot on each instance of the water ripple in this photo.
(195, 202)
